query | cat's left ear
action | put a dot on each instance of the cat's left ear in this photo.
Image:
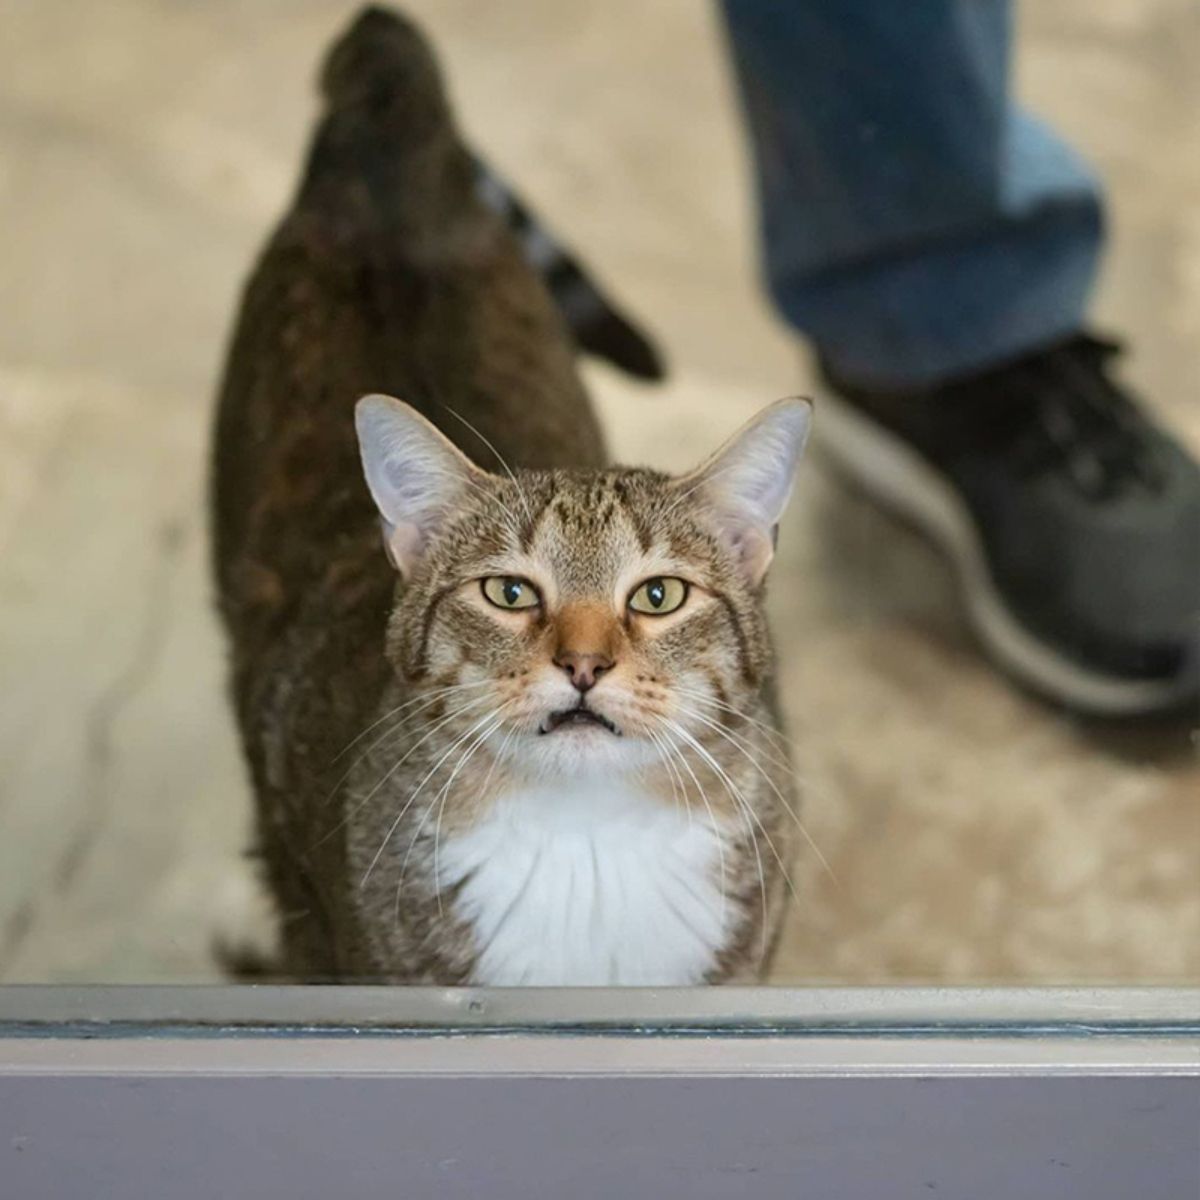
(416, 475)
(746, 484)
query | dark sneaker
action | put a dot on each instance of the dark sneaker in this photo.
(1072, 518)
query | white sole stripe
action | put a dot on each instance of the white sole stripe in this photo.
(901, 481)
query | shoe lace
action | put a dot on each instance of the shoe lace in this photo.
(1067, 413)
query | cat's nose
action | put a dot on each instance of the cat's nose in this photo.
(583, 669)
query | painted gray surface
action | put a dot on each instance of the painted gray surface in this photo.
(600, 1138)
(802, 1009)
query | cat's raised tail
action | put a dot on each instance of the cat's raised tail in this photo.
(383, 55)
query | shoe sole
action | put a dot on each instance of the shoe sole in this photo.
(900, 480)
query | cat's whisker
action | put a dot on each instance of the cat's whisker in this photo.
(672, 775)
(417, 791)
(746, 812)
(497, 756)
(782, 760)
(429, 808)
(769, 752)
(661, 761)
(430, 732)
(483, 791)
(424, 696)
(493, 502)
(706, 477)
(674, 752)
(463, 759)
(740, 744)
(499, 458)
(735, 742)
(486, 494)
(349, 816)
(678, 781)
(780, 754)
(712, 817)
(744, 807)
(749, 718)
(736, 793)
(762, 881)
(390, 732)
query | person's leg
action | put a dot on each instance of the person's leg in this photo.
(938, 246)
(916, 225)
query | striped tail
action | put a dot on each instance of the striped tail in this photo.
(598, 326)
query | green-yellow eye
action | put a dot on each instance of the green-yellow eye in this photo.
(659, 596)
(510, 591)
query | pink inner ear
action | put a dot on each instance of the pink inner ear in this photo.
(752, 548)
(403, 544)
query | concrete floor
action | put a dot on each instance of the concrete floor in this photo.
(146, 146)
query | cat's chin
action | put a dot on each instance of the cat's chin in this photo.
(583, 749)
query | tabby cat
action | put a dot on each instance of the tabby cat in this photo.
(527, 739)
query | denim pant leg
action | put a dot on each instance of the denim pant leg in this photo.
(915, 224)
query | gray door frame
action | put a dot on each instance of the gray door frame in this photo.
(814, 1093)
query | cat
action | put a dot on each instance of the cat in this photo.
(529, 738)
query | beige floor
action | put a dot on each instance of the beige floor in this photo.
(146, 147)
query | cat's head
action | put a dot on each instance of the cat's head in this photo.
(583, 618)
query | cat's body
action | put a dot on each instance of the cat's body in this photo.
(420, 817)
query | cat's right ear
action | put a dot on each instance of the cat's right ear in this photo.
(416, 475)
(746, 484)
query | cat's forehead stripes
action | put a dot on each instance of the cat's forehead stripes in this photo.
(591, 532)
(586, 534)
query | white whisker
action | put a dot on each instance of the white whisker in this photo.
(743, 806)
(412, 797)
(672, 774)
(496, 756)
(712, 817)
(426, 696)
(463, 759)
(736, 794)
(734, 740)
(499, 457)
(765, 727)
(705, 478)
(490, 498)
(390, 732)
(349, 816)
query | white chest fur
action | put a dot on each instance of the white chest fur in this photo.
(589, 884)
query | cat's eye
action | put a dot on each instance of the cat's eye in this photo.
(659, 596)
(510, 591)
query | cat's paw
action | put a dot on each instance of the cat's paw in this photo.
(245, 938)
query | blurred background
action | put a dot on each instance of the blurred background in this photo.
(147, 147)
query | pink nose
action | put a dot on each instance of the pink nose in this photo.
(582, 669)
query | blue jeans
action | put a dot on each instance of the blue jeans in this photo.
(916, 224)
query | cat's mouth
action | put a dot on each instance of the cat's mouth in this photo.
(566, 718)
